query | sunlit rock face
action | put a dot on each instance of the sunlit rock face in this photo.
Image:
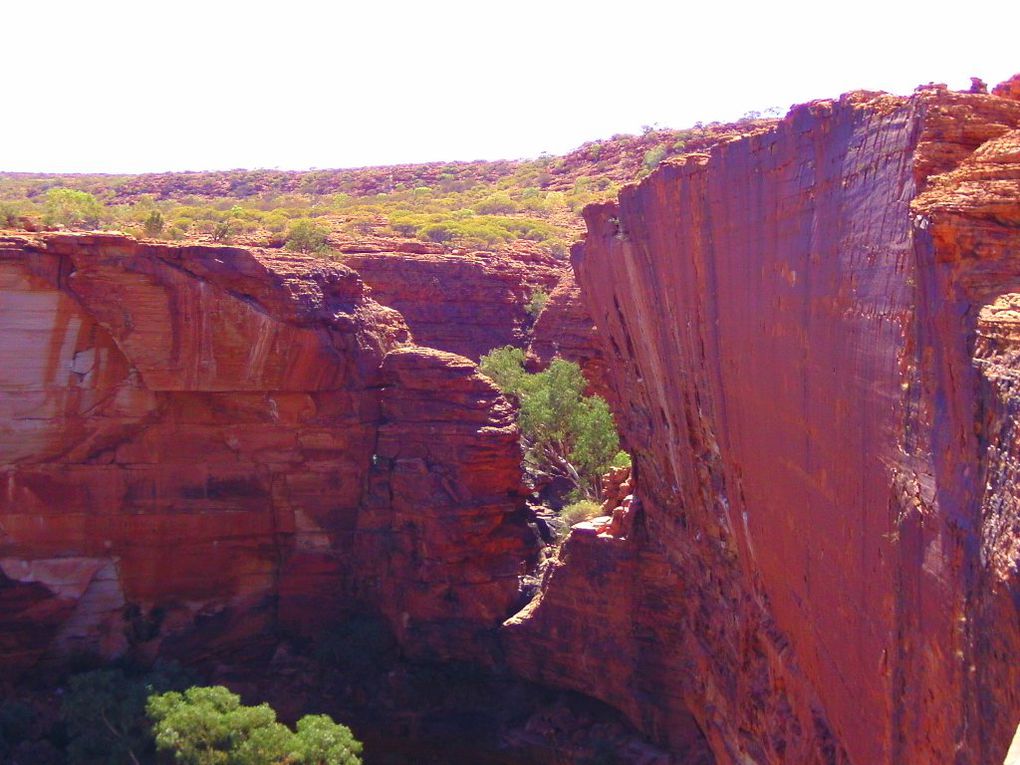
(189, 440)
(471, 302)
(811, 334)
(466, 303)
(565, 329)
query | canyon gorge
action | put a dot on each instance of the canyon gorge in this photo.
(804, 328)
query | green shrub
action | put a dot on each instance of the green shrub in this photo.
(210, 726)
(307, 236)
(556, 199)
(496, 204)
(436, 232)
(276, 221)
(536, 302)
(565, 434)
(154, 224)
(405, 224)
(576, 512)
(72, 209)
(222, 231)
(10, 215)
(653, 157)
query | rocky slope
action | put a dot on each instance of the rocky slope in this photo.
(204, 448)
(812, 340)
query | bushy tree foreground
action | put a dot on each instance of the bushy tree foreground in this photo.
(210, 726)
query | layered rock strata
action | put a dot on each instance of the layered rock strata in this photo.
(565, 329)
(811, 333)
(193, 443)
(465, 303)
(437, 530)
(470, 303)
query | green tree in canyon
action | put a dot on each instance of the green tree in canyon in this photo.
(564, 433)
(210, 726)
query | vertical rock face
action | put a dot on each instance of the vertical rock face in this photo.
(188, 438)
(812, 339)
(437, 538)
(565, 329)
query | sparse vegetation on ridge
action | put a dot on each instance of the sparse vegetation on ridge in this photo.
(481, 205)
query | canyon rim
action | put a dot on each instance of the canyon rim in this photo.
(804, 328)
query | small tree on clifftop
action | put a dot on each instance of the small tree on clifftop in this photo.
(73, 209)
(308, 237)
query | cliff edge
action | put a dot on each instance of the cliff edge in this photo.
(811, 336)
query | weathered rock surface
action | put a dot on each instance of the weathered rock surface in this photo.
(1008, 89)
(470, 303)
(812, 340)
(191, 442)
(565, 329)
(465, 303)
(437, 532)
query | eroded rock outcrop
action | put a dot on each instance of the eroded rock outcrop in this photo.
(192, 443)
(565, 329)
(470, 303)
(437, 532)
(811, 337)
(465, 303)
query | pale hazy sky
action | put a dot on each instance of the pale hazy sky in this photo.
(150, 85)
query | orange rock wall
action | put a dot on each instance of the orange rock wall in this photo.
(565, 329)
(812, 349)
(465, 303)
(189, 435)
(470, 303)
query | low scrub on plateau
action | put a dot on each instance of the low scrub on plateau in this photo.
(565, 433)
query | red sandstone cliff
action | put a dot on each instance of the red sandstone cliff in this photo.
(565, 329)
(466, 303)
(193, 444)
(812, 336)
(470, 303)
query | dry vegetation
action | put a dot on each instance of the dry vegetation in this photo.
(534, 204)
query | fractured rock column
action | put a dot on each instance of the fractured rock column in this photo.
(443, 540)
